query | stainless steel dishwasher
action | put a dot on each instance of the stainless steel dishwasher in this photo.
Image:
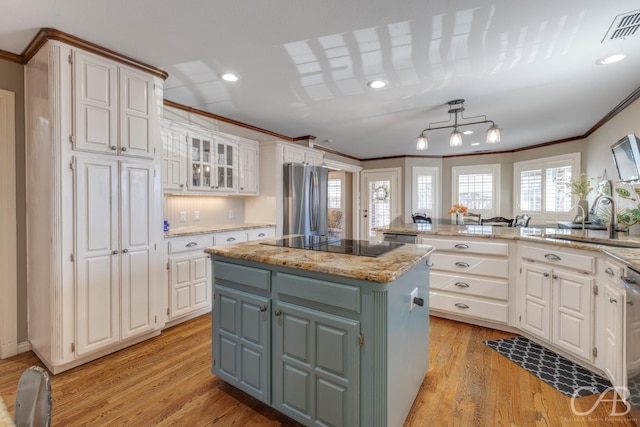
(400, 238)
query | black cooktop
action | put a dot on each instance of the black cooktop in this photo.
(337, 245)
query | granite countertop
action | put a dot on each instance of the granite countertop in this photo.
(217, 228)
(630, 256)
(385, 268)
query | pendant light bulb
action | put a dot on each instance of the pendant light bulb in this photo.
(422, 143)
(455, 139)
(493, 134)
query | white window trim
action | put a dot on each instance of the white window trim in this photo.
(420, 171)
(549, 219)
(493, 169)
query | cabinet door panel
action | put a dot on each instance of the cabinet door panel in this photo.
(96, 211)
(572, 308)
(241, 341)
(95, 103)
(536, 310)
(316, 360)
(136, 91)
(136, 198)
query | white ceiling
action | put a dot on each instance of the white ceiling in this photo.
(528, 65)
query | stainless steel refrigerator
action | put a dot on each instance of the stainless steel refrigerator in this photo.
(305, 199)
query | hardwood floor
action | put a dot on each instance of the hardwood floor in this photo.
(166, 381)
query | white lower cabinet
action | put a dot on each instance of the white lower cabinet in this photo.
(470, 278)
(612, 329)
(558, 297)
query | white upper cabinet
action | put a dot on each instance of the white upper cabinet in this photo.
(248, 171)
(174, 158)
(112, 106)
(299, 154)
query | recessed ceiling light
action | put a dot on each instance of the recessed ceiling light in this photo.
(377, 84)
(230, 77)
(475, 143)
(611, 59)
(468, 132)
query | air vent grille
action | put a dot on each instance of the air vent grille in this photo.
(623, 26)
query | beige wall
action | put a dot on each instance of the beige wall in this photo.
(12, 79)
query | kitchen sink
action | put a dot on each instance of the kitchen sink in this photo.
(593, 240)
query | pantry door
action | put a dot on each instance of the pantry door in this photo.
(381, 204)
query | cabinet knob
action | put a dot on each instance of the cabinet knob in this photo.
(462, 264)
(555, 276)
(461, 305)
(115, 252)
(124, 148)
(263, 308)
(545, 274)
(181, 185)
(277, 313)
(613, 301)
(113, 148)
(125, 251)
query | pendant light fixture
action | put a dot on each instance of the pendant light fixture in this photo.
(456, 107)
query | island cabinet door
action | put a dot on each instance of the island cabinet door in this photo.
(241, 341)
(316, 373)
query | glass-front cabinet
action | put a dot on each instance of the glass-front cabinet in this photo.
(211, 163)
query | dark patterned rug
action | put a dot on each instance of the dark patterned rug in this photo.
(568, 378)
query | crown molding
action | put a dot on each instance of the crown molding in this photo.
(46, 34)
(10, 56)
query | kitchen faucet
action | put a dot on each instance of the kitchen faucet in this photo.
(613, 222)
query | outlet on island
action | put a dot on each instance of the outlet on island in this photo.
(183, 216)
(196, 216)
(230, 213)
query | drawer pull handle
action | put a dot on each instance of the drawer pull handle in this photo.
(263, 308)
(191, 244)
(231, 239)
(261, 235)
(462, 264)
(612, 301)
(461, 284)
(609, 271)
(461, 305)
(461, 246)
(553, 257)
(277, 313)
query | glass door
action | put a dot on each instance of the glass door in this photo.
(201, 163)
(381, 204)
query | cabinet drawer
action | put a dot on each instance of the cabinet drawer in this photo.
(469, 246)
(261, 233)
(229, 237)
(468, 306)
(453, 263)
(466, 285)
(190, 243)
(560, 257)
(248, 276)
(319, 291)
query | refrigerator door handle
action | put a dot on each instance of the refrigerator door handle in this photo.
(313, 183)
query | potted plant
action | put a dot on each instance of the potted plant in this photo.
(581, 187)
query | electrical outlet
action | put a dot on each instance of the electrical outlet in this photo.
(414, 294)
(183, 216)
(230, 213)
(196, 216)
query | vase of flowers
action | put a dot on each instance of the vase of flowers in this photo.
(581, 187)
(458, 209)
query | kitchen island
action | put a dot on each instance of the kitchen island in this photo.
(325, 338)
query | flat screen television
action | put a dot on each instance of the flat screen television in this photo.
(626, 157)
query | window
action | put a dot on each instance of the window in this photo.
(425, 187)
(334, 195)
(542, 187)
(476, 188)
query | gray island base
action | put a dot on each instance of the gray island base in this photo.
(321, 348)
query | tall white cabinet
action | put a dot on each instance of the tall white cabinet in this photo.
(94, 207)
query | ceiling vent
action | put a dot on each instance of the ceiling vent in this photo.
(623, 26)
